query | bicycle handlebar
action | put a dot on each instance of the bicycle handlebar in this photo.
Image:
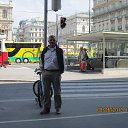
(38, 71)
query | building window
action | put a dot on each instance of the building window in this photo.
(4, 15)
(83, 28)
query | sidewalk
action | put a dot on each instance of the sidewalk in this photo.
(21, 74)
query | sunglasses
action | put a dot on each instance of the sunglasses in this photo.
(52, 40)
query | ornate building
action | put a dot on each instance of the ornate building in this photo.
(6, 19)
(110, 15)
(31, 30)
(75, 24)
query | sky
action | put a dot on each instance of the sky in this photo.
(27, 9)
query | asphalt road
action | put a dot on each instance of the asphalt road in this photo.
(85, 104)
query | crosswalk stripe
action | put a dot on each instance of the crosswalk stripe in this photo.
(94, 89)
(95, 95)
(88, 86)
(106, 83)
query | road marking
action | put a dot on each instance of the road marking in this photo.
(95, 84)
(94, 90)
(16, 100)
(92, 86)
(61, 118)
(95, 95)
(65, 98)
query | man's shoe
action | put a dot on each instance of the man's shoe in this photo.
(45, 111)
(58, 111)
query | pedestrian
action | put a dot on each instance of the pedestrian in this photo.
(106, 54)
(52, 59)
(80, 56)
(106, 58)
(83, 56)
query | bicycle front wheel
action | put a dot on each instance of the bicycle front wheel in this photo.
(40, 94)
(35, 88)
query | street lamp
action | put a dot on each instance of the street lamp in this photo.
(56, 5)
(57, 27)
(89, 16)
(45, 21)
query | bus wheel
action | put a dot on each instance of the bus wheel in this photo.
(25, 60)
(18, 60)
(72, 63)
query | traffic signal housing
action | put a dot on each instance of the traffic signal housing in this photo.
(62, 22)
(56, 5)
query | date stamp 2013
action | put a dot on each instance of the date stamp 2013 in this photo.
(111, 109)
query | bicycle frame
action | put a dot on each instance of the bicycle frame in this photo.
(38, 88)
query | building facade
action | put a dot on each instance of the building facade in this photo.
(31, 30)
(110, 15)
(75, 25)
(6, 19)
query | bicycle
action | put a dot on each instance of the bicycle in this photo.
(38, 88)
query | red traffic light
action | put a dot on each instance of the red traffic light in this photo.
(62, 22)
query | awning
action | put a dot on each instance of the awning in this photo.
(100, 37)
(96, 37)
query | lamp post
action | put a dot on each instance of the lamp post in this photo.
(56, 5)
(89, 16)
(45, 21)
(57, 27)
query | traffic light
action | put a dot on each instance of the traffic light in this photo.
(56, 5)
(62, 22)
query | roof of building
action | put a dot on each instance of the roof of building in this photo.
(96, 37)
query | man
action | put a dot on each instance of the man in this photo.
(52, 67)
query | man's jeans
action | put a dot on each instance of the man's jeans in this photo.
(52, 78)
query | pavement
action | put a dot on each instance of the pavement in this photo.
(23, 73)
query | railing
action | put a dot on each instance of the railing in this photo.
(117, 61)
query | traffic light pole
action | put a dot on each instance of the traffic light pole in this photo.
(89, 16)
(45, 21)
(57, 27)
(56, 5)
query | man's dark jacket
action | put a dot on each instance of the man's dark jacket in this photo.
(60, 59)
